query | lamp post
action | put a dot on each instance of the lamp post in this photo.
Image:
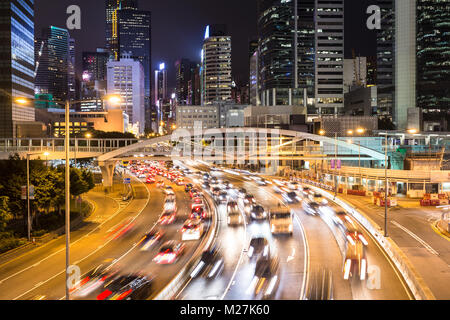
(322, 133)
(25, 101)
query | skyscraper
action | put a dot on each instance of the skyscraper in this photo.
(286, 59)
(185, 72)
(405, 62)
(329, 57)
(134, 36)
(433, 49)
(161, 90)
(16, 63)
(126, 78)
(52, 76)
(111, 32)
(216, 65)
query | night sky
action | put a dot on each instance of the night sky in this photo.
(178, 28)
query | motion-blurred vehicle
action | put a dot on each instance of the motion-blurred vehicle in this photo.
(355, 265)
(232, 206)
(261, 182)
(210, 265)
(223, 197)
(266, 279)
(194, 192)
(197, 202)
(293, 185)
(180, 182)
(167, 217)
(169, 252)
(150, 239)
(168, 190)
(249, 199)
(259, 246)
(150, 180)
(94, 280)
(206, 185)
(215, 191)
(127, 287)
(258, 213)
(235, 218)
(242, 192)
(277, 189)
(227, 185)
(198, 213)
(318, 198)
(188, 187)
(311, 207)
(320, 285)
(291, 197)
(281, 221)
(192, 230)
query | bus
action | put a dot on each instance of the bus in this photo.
(281, 221)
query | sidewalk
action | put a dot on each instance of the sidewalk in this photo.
(95, 197)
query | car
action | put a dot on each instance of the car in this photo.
(194, 192)
(150, 180)
(317, 197)
(94, 280)
(167, 217)
(293, 185)
(170, 204)
(198, 213)
(169, 252)
(192, 230)
(150, 239)
(258, 213)
(261, 182)
(259, 246)
(232, 206)
(267, 278)
(355, 263)
(242, 192)
(127, 287)
(227, 185)
(168, 190)
(311, 208)
(276, 189)
(235, 218)
(223, 197)
(180, 182)
(206, 185)
(197, 202)
(211, 264)
(249, 199)
(188, 187)
(215, 191)
(291, 197)
(206, 176)
(141, 175)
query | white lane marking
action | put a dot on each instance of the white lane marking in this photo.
(43, 282)
(416, 237)
(62, 249)
(232, 282)
(291, 257)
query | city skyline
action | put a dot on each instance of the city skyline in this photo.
(240, 18)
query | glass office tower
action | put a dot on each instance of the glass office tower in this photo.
(16, 63)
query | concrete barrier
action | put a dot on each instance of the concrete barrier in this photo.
(415, 282)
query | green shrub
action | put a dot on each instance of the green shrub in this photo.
(7, 244)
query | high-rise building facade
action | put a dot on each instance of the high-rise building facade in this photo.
(16, 63)
(329, 25)
(52, 76)
(126, 79)
(93, 82)
(386, 59)
(286, 60)
(405, 62)
(134, 36)
(433, 49)
(184, 74)
(194, 87)
(216, 65)
(111, 32)
(161, 90)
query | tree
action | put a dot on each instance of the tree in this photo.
(5, 213)
(88, 178)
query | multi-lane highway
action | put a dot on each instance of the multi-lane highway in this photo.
(313, 246)
(316, 245)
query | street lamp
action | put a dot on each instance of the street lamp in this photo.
(322, 132)
(46, 154)
(113, 99)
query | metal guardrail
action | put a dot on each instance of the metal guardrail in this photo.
(172, 289)
(415, 283)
